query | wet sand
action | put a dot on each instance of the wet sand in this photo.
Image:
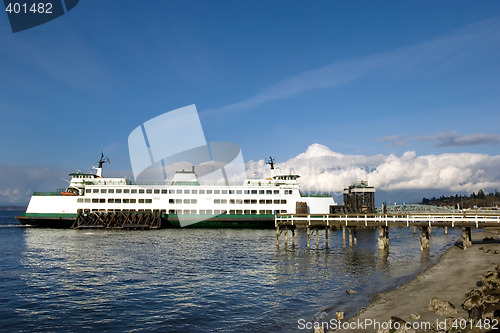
(457, 273)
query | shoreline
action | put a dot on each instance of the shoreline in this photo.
(456, 273)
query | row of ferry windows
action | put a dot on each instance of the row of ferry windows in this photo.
(185, 191)
(210, 211)
(181, 201)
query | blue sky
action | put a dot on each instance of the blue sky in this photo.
(362, 78)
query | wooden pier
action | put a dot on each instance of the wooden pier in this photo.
(424, 222)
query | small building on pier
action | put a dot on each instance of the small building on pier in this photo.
(358, 198)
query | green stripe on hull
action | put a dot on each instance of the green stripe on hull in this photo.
(222, 221)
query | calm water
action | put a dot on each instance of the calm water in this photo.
(196, 280)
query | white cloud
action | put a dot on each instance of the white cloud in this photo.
(323, 170)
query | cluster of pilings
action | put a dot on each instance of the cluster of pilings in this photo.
(383, 239)
(123, 219)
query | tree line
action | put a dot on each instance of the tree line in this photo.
(479, 199)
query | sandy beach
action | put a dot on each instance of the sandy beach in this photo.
(457, 273)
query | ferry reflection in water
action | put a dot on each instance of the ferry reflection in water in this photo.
(197, 279)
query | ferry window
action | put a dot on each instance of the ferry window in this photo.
(224, 191)
(194, 201)
(88, 191)
(186, 191)
(149, 200)
(103, 190)
(246, 201)
(217, 211)
(261, 191)
(141, 191)
(216, 201)
(126, 190)
(95, 191)
(268, 202)
(118, 200)
(232, 201)
(239, 201)
(111, 200)
(254, 191)
(194, 191)
(126, 200)
(157, 192)
(232, 211)
(133, 191)
(209, 211)
(269, 192)
(262, 211)
(202, 211)
(164, 191)
(209, 191)
(149, 191)
(283, 202)
(253, 211)
(231, 191)
(238, 191)
(171, 191)
(216, 192)
(187, 201)
(276, 191)
(247, 192)
(141, 200)
(276, 201)
(179, 191)
(79, 200)
(261, 201)
(253, 201)
(247, 211)
(223, 201)
(283, 211)
(111, 190)
(202, 191)
(171, 211)
(178, 201)
(187, 211)
(239, 211)
(132, 201)
(171, 201)
(118, 190)
(102, 200)
(87, 200)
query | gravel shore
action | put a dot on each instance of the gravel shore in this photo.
(450, 280)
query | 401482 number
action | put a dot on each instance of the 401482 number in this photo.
(24, 8)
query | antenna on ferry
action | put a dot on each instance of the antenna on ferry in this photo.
(270, 161)
(101, 161)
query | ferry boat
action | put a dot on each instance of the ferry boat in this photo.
(182, 202)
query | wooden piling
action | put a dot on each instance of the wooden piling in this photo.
(424, 237)
(286, 237)
(383, 237)
(343, 236)
(308, 237)
(293, 237)
(350, 236)
(326, 237)
(277, 236)
(466, 238)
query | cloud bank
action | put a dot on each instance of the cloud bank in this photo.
(323, 170)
